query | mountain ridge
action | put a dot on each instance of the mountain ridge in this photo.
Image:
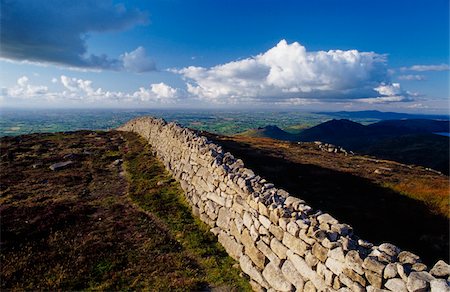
(409, 141)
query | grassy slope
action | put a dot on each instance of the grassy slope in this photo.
(383, 200)
(78, 229)
(154, 191)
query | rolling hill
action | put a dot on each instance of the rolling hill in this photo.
(409, 141)
(270, 131)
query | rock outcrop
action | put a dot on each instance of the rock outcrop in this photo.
(280, 242)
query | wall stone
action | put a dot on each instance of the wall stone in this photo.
(280, 242)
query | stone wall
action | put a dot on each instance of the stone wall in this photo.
(280, 242)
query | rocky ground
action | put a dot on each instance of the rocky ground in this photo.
(95, 210)
(384, 201)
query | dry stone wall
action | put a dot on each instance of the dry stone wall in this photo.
(280, 242)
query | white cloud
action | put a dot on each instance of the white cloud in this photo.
(389, 89)
(81, 90)
(410, 77)
(422, 68)
(74, 84)
(289, 71)
(137, 61)
(389, 93)
(162, 90)
(23, 89)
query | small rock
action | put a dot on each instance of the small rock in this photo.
(37, 164)
(441, 269)
(117, 162)
(406, 257)
(60, 165)
(372, 264)
(418, 281)
(439, 285)
(396, 285)
(327, 218)
(309, 287)
(364, 243)
(390, 271)
(71, 156)
(419, 267)
(389, 249)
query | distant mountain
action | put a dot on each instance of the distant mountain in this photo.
(270, 131)
(381, 115)
(410, 126)
(333, 130)
(345, 131)
(407, 141)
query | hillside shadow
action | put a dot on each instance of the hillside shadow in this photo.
(376, 213)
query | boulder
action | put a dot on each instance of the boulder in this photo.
(275, 278)
(254, 274)
(396, 285)
(223, 220)
(389, 249)
(439, 285)
(406, 257)
(372, 264)
(419, 281)
(441, 269)
(278, 248)
(233, 248)
(390, 271)
(292, 275)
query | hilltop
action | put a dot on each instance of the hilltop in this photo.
(97, 211)
(270, 131)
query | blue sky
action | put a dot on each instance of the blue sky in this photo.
(333, 55)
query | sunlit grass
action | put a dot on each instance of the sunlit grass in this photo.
(167, 202)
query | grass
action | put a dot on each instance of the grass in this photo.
(85, 228)
(428, 190)
(167, 202)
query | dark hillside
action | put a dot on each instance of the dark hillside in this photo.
(269, 132)
(334, 130)
(384, 201)
(407, 141)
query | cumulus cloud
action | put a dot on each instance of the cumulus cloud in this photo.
(23, 89)
(423, 68)
(46, 35)
(81, 90)
(389, 93)
(160, 92)
(289, 71)
(137, 61)
(411, 77)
